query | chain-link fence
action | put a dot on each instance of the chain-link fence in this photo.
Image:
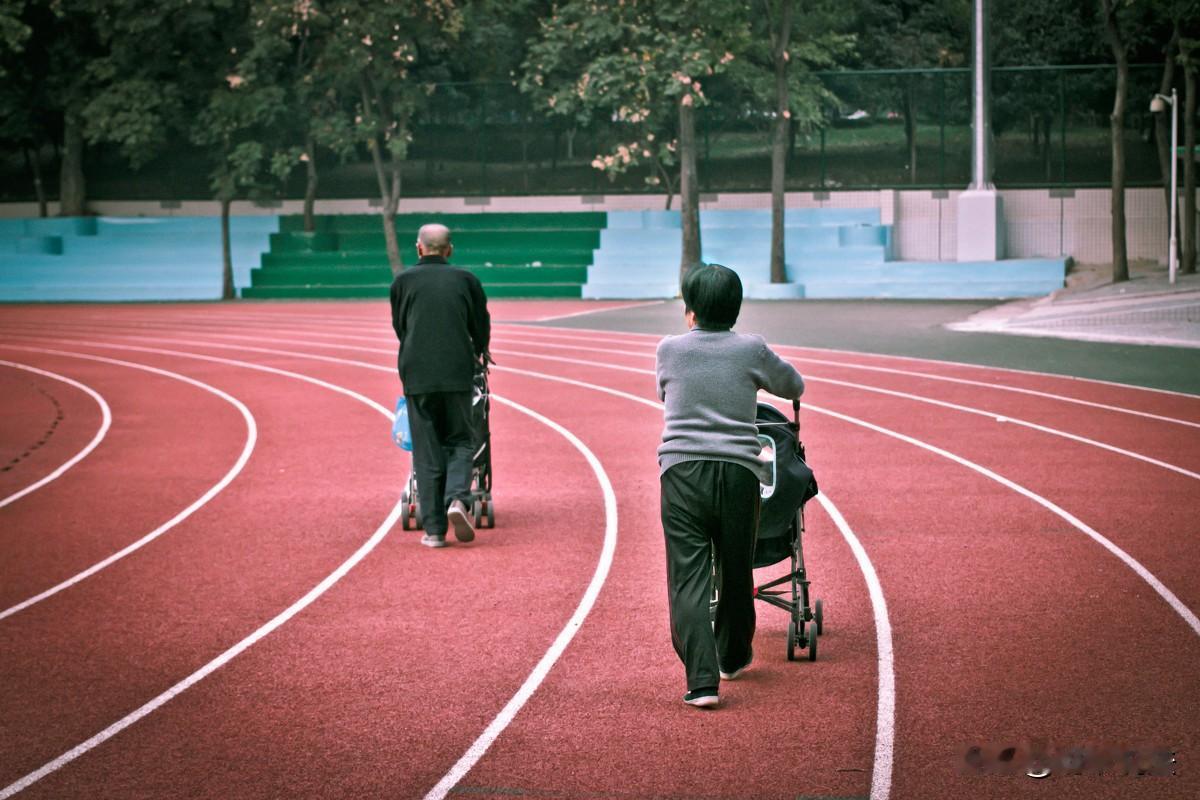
(884, 129)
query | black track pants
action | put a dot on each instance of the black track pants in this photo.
(710, 513)
(443, 439)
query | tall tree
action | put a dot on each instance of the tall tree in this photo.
(389, 57)
(777, 72)
(642, 62)
(289, 50)
(1120, 49)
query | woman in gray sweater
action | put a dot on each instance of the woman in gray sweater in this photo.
(709, 471)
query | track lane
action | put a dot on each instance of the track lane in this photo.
(442, 714)
(33, 409)
(68, 669)
(1159, 712)
(108, 501)
(655, 423)
(1006, 783)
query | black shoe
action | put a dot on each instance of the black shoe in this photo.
(702, 698)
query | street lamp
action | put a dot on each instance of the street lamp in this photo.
(1157, 106)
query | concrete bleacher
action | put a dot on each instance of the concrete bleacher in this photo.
(514, 254)
(828, 252)
(125, 258)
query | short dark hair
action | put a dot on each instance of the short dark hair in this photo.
(714, 293)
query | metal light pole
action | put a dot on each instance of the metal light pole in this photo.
(1156, 106)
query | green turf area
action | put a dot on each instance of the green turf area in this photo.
(514, 254)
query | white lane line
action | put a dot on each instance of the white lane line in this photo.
(105, 424)
(481, 744)
(891, 371)
(861, 354)
(885, 710)
(600, 310)
(885, 726)
(1166, 594)
(214, 490)
(210, 667)
(1012, 420)
(562, 359)
(547, 662)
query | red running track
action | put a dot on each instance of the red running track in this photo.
(1005, 558)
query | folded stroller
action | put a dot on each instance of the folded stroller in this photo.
(781, 527)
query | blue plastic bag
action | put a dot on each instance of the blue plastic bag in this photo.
(401, 433)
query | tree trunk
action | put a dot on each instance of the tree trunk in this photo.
(1187, 263)
(571, 142)
(689, 187)
(35, 169)
(72, 195)
(1162, 119)
(779, 149)
(389, 196)
(668, 182)
(227, 290)
(310, 187)
(1120, 267)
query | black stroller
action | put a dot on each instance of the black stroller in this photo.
(781, 528)
(482, 509)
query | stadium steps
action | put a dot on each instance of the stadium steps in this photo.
(513, 254)
(125, 258)
(828, 253)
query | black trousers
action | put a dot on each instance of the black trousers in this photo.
(710, 518)
(443, 438)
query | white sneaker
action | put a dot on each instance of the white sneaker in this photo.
(457, 515)
(432, 540)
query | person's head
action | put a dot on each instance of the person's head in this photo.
(712, 296)
(434, 240)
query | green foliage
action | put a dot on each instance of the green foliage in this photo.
(635, 62)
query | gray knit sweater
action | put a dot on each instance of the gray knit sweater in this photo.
(709, 381)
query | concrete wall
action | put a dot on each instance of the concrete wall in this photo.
(1039, 222)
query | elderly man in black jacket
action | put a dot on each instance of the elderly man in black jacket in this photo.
(440, 316)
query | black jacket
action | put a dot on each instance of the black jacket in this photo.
(440, 316)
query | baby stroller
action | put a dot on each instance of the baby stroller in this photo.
(482, 509)
(781, 527)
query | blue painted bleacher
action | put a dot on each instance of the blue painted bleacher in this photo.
(125, 258)
(829, 253)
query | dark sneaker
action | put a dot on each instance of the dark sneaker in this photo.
(433, 540)
(737, 673)
(702, 698)
(460, 520)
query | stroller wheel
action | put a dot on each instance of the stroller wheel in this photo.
(812, 645)
(405, 521)
(489, 509)
(819, 615)
(476, 512)
(791, 650)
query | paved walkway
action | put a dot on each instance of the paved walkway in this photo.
(1147, 309)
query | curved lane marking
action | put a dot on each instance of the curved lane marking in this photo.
(920, 359)
(885, 725)
(213, 491)
(547, 662)
(481, 744)
(105, 424)
(909, 373)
